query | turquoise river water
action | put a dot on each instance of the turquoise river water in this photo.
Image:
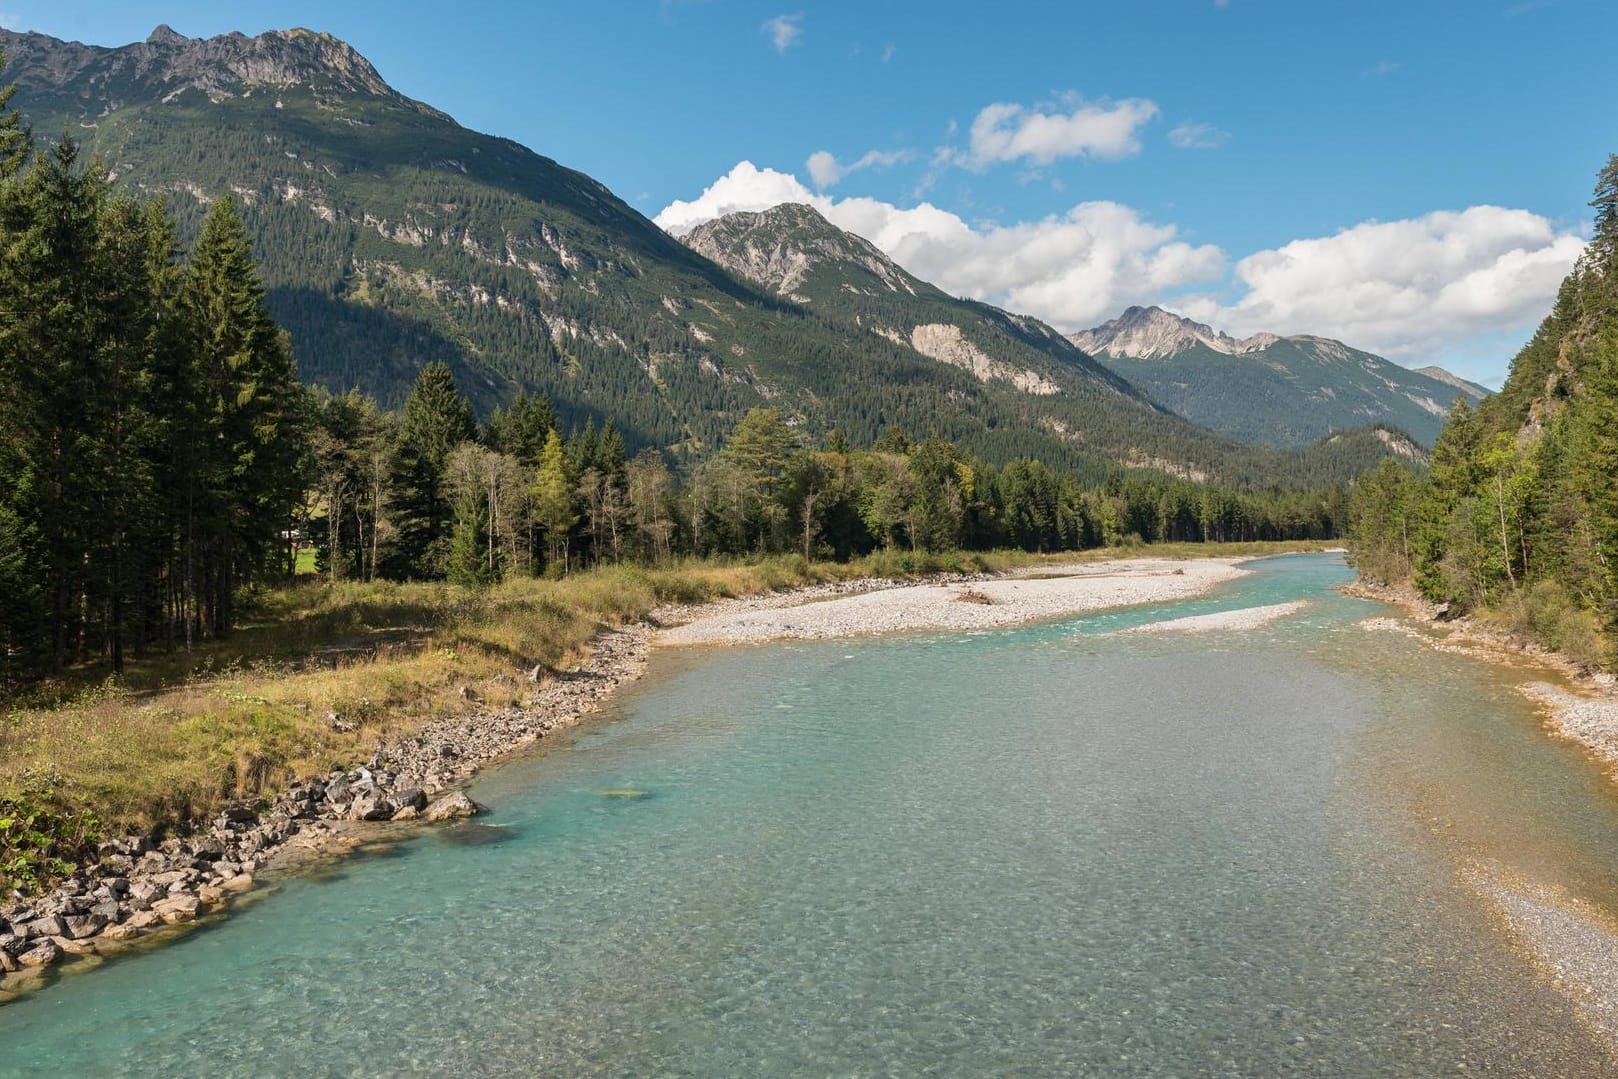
(1042, 851)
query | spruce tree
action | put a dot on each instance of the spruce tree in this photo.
(246, 421)
(16, 141)
(436, 420)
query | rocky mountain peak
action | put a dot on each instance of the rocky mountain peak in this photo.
(780, 247)
(166, 35)
(168, 64)
(1151, 332)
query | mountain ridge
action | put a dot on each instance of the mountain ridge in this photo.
(1283, 390)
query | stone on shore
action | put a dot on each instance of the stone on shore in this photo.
(177, 908)
(455, 806)
(42, 954)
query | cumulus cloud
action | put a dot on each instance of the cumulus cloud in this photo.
(826, 171)
(1042, 134)
(1072, 269)
(784, 31)
(1189, 135)
(1407, 289)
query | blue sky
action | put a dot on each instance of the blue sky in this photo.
(1411, 177)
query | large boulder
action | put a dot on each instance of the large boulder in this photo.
(454, 806)
(42, 954)
(177, 908)
(371, 805)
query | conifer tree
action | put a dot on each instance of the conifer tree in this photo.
(436, 420)
(246, 421)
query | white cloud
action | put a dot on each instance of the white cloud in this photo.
(745, 187)
(1045, 133)
(826, 171)
(10, 22)
(887, 53)
(783, 31)
(1072, 269)
(1383, 67)
(1409, 289)
(1190, 135)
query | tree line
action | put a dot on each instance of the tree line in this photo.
(427, 493)
(1518, 515)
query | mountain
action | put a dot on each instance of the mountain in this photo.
(1270, 389)
(1473, 390)
(390, 236)
(795, 253)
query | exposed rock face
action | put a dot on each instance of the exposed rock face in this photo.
(947, 344)
(1147, 332)
(221, 66)
(1438, 374)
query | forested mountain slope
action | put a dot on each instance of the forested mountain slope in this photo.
(1279, 391)
(1519, 514)
(389, 237)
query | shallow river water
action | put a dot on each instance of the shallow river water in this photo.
(1041, 851)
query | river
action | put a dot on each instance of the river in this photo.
(1050, 850)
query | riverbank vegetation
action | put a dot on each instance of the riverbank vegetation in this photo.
(1517, 520)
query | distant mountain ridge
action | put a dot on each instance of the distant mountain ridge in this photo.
(1268, 388)
(1143, 333)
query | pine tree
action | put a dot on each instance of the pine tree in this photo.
(436, 420)
(247, 420)
(1604, 245)
(520, 430)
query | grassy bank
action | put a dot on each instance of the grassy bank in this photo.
(319, 673)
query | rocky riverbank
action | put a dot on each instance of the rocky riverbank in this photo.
(142, 885)
(1583, 708)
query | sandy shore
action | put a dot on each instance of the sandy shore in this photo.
(1221, 621)
(1047, 592)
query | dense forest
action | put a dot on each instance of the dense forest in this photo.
(149, 418)
(1518, 516)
